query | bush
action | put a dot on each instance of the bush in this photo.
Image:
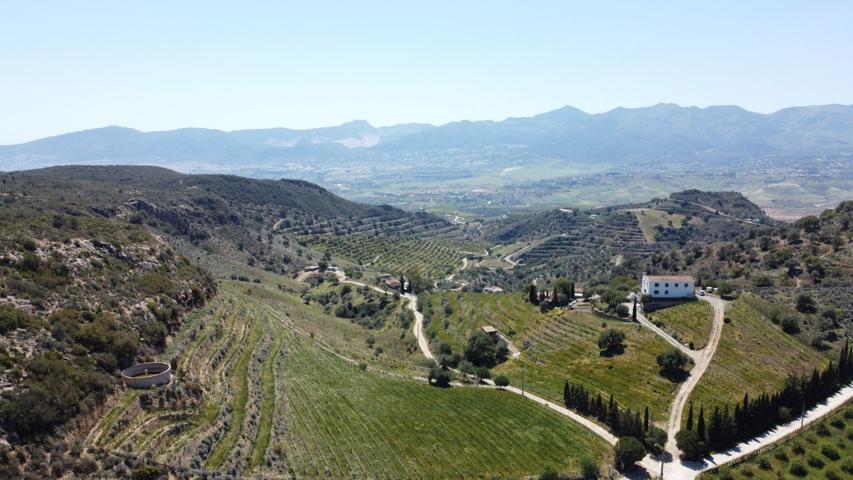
(790, 324)
(830, 452)
(612, 341)
(832, 475)
(440, 377)
(622, 310)
(501, 381)
(765, 464)
(690, 444)
(672, 360)
(12, 318)
(806, 304)
(815, 462)
(627, 452)
(589, 469)
(550, 473)
(797, 468)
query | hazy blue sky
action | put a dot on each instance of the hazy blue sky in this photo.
(156, 65)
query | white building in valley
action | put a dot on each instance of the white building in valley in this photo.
(667, 286)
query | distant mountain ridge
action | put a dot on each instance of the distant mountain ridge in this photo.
(663, 129)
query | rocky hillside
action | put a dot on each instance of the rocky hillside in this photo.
(81, 297)
(213, 216)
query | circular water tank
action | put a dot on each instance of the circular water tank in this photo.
(147, 375)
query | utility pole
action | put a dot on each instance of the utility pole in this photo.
(803, 415)
(522, 379)
(662, 461)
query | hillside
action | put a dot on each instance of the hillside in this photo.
(805, 268)
(217, 217)
(81, 297)
(595, 244)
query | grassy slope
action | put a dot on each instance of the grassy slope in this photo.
(689, 322)
(834, 432)
(329, 417)
(349, 422)
(566, 349)
(754, 356)
(469, 311)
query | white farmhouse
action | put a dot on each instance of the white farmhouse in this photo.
(667, 286)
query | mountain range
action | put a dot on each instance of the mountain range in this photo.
(663, 129)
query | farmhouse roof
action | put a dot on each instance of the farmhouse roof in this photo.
(489, 329)
(666, 278)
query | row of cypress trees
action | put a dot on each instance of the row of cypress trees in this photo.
(729, 425)
(622, 422)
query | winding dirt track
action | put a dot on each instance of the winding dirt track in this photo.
(650, 466)
(701, 364)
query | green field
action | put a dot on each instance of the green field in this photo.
(753, 356)
(566, 349)
(468, 311)
(824, 450)
(689, 323)
(291, 391)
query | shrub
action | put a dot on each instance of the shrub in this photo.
(550, 473)
(12, 318)
(622, 310)
(815, 462)
(501, 381)
(627, 452)
(832, 475)
(612, 341)
(790, 324)
(764, 464)
(798, 448)
(806, 304)
(589, 469)
(830, 452)
(690, 444)
(672, 360)
(797, 468)
(439, 377)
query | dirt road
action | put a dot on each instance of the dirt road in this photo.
(702, 360)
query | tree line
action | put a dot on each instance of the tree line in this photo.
(730, 425)
(637, 435)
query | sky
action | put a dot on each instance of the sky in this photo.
(159, 65)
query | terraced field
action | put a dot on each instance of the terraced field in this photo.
(431, 257)
(753, 356)
(566, 349)
(689, 323)
(592, 245)
(263, 388)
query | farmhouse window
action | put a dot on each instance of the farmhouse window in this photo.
(657, 291)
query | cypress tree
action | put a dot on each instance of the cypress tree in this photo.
(402, 284)
(715, 430)
(613, 414)
(566, 394)
(531, 295)
(646, 420)
(690, 417)
(700, 425)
